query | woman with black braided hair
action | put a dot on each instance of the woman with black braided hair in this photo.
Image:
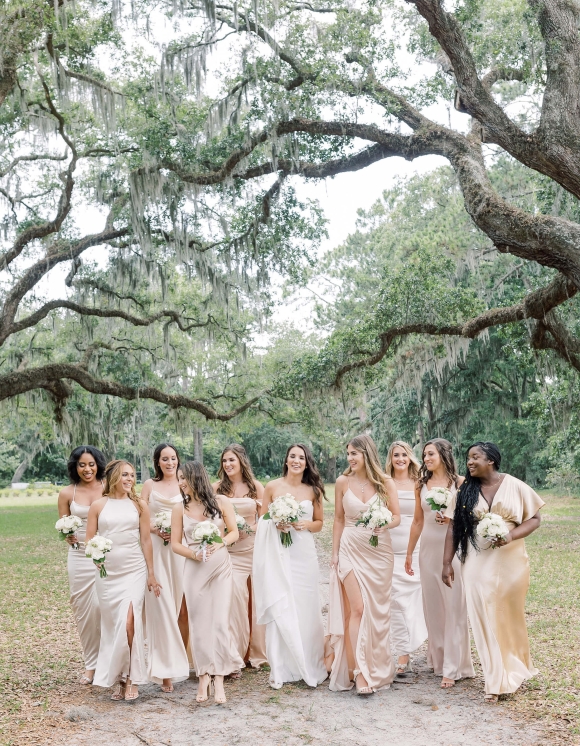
(496, 582)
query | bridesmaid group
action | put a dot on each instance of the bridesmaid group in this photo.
(169, 605)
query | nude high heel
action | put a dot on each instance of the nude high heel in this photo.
(208, 690)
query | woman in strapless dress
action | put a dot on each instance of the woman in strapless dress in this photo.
(86, 469)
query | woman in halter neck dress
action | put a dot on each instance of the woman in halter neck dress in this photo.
(359, 616)
(86, 469)
(236, 481)
(166, 617)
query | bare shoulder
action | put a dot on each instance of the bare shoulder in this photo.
(271, 486)
(460, 481)
(215, 485)
(342, 481)
(99, 504)
(67, 492)
(225, 503)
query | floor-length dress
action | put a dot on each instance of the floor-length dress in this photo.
(408, 628)
(167, 657)
(448, 649)
(496, 583)
(208, 588)
(250, 638)
(125, 585)
(373, 570)
(83, 596)
(288, 603)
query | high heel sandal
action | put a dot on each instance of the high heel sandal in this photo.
(132, 693)
(208, 689)
(491, 699)
(364, 690)
(403, 670)
(119, 693)
(167, 688)
(84, 680)
(215, 699)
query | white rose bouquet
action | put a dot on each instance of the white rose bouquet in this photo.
(284, 509)
(204, 534)
(438, 498)
(242, 524)
(96, 549)
(376, 515)
(162, 522)
(492, 527)
(68, 525)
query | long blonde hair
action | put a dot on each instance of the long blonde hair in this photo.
(376, 476)
(113, 473)
(414, 463)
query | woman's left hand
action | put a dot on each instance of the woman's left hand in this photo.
(213, 547)
(302, 525)
(380, 530)
(502, 542)
(153, 585)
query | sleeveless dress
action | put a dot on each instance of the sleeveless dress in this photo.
(208, 588)
(83, 596)
(449, 649)
(496, 583)
(124, 585)
(250, 637)
(288, 603)
(167, 657)
(408, 628)
(373, 570)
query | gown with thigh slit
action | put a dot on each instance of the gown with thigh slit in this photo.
(373, 570)
(288, 603)
(250, 636)
(125, 585)
(496, 583)
(208, 588)
(167, 657)
(448, 649)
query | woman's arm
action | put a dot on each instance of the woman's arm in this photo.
(338, 526)
(147, 548)
(229, 515)
(259, 491)
(64, 498)
(447, 574)
(391, 489)
(266, 499)
(315, 525)
(177, 535)
(416, 530)
(93, 517)
(520, 532)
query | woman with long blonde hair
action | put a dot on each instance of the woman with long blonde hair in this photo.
(359, 616)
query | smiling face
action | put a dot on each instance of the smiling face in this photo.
(87, 468)
(127, 480)
(355, 458)
(231, 464)
(296, 461)
(184, 484)
(400, 459)
(478, 463)
(168, 462)
(431, 457)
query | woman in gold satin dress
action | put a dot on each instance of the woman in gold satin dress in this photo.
(496, 579)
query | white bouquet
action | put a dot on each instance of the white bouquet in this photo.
(284, 509)
(68, 525)
(492, 527)
(163, 523)
(376, 515)
(438, 498)
(204, 534)
(96, 549)
(242, 524)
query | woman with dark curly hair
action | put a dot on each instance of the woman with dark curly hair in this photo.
(496, 582)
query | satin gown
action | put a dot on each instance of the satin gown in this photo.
(125, 585)
(83, 596)
(373, 570)
(449, 649)
(286, 589)
(496, 583)
(167, 657)
(208, 588)
(252, 644)
(408, 628)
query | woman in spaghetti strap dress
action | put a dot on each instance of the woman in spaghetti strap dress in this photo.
(86, 469)
(449, 649)
(359, 616)
(496, 577)
(408, 629)
(208, 579)
(167, 629)
(121, 516)
(236, 481)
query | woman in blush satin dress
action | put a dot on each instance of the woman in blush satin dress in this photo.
(86, 469)
(286, 583)
(121, 516)
(236, 481)
(408, 629)
(167, 628)
(449, 649)
(208, 578)
(496, 578)
(359, 616)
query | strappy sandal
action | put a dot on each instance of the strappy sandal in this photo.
(491, 699)
(167, 688)
(84, 680)
(208, 689)
(236, 674)
(403, 670)
(364, 690)
(447, 684)
(215, 699)
(119, 693)
(132, 693)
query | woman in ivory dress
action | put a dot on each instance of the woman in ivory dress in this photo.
(86, 469)
(286, 578)
(496, 579)
(121, 516)
(408, 629)
(359, 616)
(208, 579)
(236, 481)
(449, 649)
(166, 617)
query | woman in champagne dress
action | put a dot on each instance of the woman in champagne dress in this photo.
(208, 579)
(408, 629)
(86, 469)
(166, 638)
(496, 578)
(359, 616)
(449, 649)
(236, 481)
(286, 577)
(121, 516)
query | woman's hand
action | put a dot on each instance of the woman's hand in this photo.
(447, 575)
(502, 542)
(303, 525)
(71, 539)
(153, 585)
(284, 527)
(165, 535)
(440, 518)
(212, 548)
(409, 565)
(378, 531)
(334, 561)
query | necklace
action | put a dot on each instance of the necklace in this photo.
(402, 481)
(362, 485)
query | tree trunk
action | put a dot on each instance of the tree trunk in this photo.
(144, 468)
(198, 444)
(19, 473)
(331, 469)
